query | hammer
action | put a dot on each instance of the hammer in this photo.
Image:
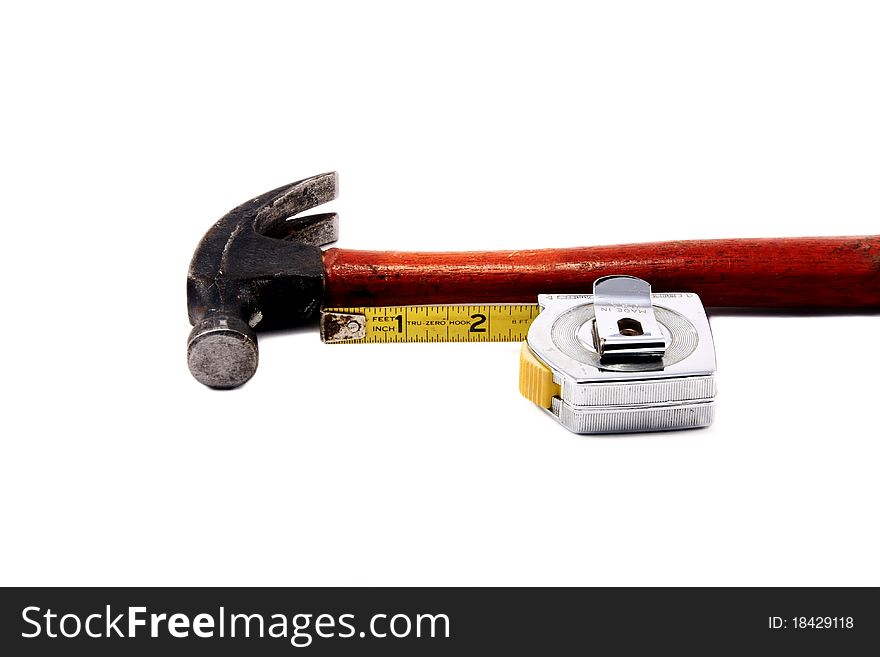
(262, 266)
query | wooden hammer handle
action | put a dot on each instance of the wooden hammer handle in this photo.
(808, 272)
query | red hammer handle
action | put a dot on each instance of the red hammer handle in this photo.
(806, 272)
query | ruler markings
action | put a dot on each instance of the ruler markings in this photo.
(442, 323)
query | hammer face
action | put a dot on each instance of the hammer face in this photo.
(222, 352)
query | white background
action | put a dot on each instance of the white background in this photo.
(127, 132)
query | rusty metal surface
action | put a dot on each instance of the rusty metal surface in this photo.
(258, 265)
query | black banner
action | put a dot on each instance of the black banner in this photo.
(444, 621)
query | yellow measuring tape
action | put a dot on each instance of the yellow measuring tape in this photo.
(436, 323)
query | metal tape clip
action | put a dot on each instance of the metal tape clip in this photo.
(625, 326)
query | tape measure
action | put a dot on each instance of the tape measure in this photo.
(428, 323)
(619, 360)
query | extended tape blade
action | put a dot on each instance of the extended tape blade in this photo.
(430, 323)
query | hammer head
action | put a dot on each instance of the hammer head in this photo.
(260, 264)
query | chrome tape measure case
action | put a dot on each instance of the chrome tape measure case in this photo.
(621, 359)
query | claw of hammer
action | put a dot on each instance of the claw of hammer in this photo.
(260, 264)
